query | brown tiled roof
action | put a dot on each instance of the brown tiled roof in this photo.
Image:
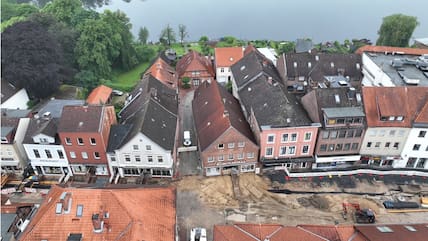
(422, 117)
(226, 57)
(403, 101)
(272, 232)
(383, 49)
(193, 61)
(398, 232)
(215, 110)
(162, 71)
(330, 232)
(99, 95)
(134, 214)
(82, 118)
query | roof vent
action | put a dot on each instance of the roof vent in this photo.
(317, 58)
(309, 64)
(80, 124)
(358, 65)
(231, 59)
(242, 67)
(249, 89)
(288, 120)
(295, 64)
(332, 64)
(209, 123)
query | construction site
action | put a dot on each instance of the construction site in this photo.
(273, 198)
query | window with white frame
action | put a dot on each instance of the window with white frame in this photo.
(240, 156)
(308, 136)
(270, 138)
(241, 144)
(68, 140)
(230, 156)
(80, 141)
(210, 159)
(48, 154)
(93, 141)
(282, 150)
(305, 149)
(97, 155)
(294, 137)
(231, 145)
(127, 158)
(269, 151)
(60, 154)
(284, 137)
(292, 150)
(221, 146)
(250, 155)
(150, 158)
(135, 147)
(84, 155)
(137, 158)
(220, 158)
(160, 159)
(72, 154)
(148, 147)
(422, 133)
(36, 153)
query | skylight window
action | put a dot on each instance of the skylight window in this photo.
(79, 211)
(58, 209)
(410, 228)
(384, 229)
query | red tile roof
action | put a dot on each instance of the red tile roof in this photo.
(226, 57)
(99, 95)
(193, 61)
(398, 232)
(134, 214)
(330, 232)
(162, 71)
(272, 232)
(403, 101)
(215, 111)
(383, 49)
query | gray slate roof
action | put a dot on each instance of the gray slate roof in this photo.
(55, 107)
(118, 134)
(303, 45)
(152, 110)
(271, 105)
(47, 127)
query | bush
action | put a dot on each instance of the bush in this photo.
(186, 82)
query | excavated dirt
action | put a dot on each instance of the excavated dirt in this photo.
(257, 204)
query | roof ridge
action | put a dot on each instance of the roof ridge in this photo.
(316, 235)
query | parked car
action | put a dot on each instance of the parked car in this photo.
(117, 92)
(186, 137)
(198, 234)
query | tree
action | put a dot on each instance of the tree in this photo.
(182, 33)
(143, 35)
(203, 42)
(9, 10)
(32, 59)
(167, 36)
(63, 10)
(396, 30)
(186, 82)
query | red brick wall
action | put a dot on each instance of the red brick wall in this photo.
(231, 135)
(86, 147)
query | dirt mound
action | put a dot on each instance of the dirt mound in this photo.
(316, 201)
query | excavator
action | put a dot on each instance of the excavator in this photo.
(366, 215)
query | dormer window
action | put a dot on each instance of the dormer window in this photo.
(391, 118)
(400, 118)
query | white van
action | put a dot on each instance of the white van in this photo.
(186, 138)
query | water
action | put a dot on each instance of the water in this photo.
(321, 20)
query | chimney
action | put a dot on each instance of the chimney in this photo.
(66, 201)
(270, 80)
(97, 222)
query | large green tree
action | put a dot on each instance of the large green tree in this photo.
(63, 10)
(32, 59)
(182, 32)
(143, 35)
(396, 30)
(167, 36)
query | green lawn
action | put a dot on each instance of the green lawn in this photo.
(127, 80)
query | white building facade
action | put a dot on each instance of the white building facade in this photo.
(47, 157)
(415, 151)
(139, 156)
